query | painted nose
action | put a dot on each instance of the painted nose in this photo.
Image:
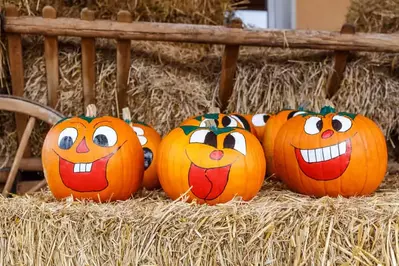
(216, 155)
(82, 147)
(326, 134)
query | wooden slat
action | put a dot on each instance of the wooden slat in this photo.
(147, 31)
(340, 60)
(17, 72)
(27, 186)
(51, 58)
(123, 56)
(229, 66)
(18, 156)
(26, 164)
(88, 61)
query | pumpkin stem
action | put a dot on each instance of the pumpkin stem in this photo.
(126, 115)
(210, 123)
(327, 110)
(91, 110)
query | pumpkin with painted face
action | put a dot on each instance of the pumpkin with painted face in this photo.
(258, 123)
(97, 158)
(149, 140)
(216, 163)
(331, 154)
(221, 121)
(271, 129)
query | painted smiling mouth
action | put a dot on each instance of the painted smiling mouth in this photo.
(85, 177)
(326, 163)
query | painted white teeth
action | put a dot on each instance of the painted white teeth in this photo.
(305, 155)
(342, 148)
(324, 154)
(327, 153)
(319, 155)
(312, 156)
(82, 167)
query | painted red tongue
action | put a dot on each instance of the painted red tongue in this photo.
(208, 184)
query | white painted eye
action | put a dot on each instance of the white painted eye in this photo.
(105, 136)
(67, 138)
(228, 121)
(313, 125)
(199, 136)
(235, 141)
(139, 131)
(260, 120)
(204, 123)
(299, 113)
(341, 123)
(238, 120)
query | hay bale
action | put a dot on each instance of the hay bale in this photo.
(168, 83)
(374, 15)
(278, 227)
(177, 11)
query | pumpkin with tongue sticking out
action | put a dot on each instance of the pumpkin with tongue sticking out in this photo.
(211, 164)
(97, 158)
(331, 154)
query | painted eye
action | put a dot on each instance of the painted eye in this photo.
(105, 137)
(204, 137)
(148, 157)
(140, 134)
(235, 141)
(205, 122)
(67, 138)
(313, 125)
(341, 123)
(227, 121)
(295, 113)
(260, 120)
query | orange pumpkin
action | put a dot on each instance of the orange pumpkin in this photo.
(258, 123)
(273, 125)
(221, 120)
(330, 153)
(97, 158)
(149, 140)
(217, 163)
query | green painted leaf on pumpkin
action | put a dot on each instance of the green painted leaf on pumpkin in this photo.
(198, 118)
(189, 129)
(350, 115)
(327, 110)
(87, 118)
(211, 116)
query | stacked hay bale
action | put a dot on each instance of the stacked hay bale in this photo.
(169, 82)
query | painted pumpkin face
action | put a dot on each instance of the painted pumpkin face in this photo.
(93, 158)
(221, 121)
(331, 154)
(258, 123)
(273, 125)
(149, 140)
(217, 163)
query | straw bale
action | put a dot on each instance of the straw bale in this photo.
(177, 11)
(374, 15)
(278, 227)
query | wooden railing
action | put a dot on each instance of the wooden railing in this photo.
(124, 30)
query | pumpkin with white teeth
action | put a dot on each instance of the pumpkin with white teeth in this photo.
(331, 154)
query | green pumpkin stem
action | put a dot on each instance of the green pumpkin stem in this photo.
(327, 110)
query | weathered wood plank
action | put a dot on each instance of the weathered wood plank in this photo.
(17, 72)
(26, 164)
(123, 56)
(204, 34)
(229, 67)
(88, 62)
(340, 60)
(51, 58)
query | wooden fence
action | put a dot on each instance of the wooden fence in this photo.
(126, 29)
